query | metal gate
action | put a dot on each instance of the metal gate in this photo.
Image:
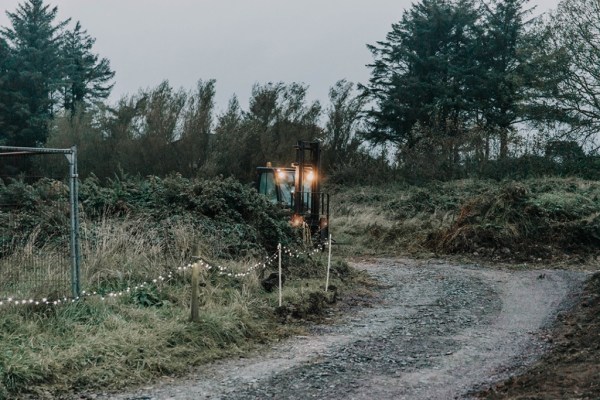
(39, 224)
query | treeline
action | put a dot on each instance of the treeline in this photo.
(457, 83)
(458, 88)
(164, 130)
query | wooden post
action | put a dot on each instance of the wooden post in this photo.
(280, 285)
(328, 265)
(195, 293)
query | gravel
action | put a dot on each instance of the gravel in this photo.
(438, 331)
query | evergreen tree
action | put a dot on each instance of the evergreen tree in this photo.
(229, 155)
(38, 68)
(88, 78)
(7, 95)
(197, 127)
(452, 76)
(507, 58)
(420, 75)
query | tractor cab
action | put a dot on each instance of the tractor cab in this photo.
(277, 184)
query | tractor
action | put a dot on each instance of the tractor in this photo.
(298, 188)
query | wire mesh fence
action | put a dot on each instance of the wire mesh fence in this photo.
(35, 225)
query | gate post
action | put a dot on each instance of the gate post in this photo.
(74, 200)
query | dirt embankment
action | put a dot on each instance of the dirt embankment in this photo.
(436, 331)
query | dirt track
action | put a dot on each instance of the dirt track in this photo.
(439, 331)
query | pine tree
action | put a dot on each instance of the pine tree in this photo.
(421, 74)
(38, 68)
(455, 76)
(197, 127)
(507, 59)
(88, 77)
(7, 100)
(230, 156)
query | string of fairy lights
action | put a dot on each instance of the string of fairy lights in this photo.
(162, 279)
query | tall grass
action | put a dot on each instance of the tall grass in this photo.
(34, 270)
(132, 250)
(97, 344)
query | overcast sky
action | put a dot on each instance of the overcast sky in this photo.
(236, 42)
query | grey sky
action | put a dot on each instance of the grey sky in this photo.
(236, 42)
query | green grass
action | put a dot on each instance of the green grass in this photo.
(395, 219)
(136, 231)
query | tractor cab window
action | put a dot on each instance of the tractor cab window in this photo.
(267, 186)
(285, 181)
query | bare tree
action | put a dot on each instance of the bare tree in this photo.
(575, 28)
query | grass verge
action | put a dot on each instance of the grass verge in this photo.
(132, 231)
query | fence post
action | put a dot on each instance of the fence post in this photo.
(328, 265)
(280, 284)
(195, 317)
(74, 200)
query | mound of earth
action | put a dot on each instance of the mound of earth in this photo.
(514, 223)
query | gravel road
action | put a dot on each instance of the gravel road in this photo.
(439, 331)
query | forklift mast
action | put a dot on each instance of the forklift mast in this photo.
(307, 194)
